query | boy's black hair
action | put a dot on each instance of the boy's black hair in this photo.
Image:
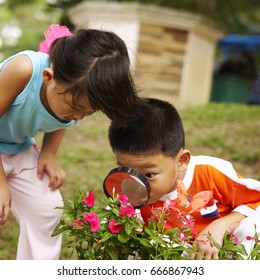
(96, 64)
(158, 129)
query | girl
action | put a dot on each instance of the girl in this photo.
(84, 72)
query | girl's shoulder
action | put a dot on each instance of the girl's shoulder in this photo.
(17, 73)
(22, 64)
(26, 60)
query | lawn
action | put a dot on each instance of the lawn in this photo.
(230, 131)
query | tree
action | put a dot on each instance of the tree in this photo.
(237, 16)
(22, 24)
(27, 19)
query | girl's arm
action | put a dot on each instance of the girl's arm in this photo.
(47, 162)
(5, 196)
(14, 77)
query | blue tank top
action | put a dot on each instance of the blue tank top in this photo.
(26, 116)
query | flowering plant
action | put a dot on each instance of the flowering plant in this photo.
(117, 231)
(233, 250)
(54, 32)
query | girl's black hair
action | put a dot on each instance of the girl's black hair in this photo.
(96, 63)
(158, 129)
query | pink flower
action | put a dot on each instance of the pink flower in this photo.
(188, 222)
(138, 214)
(54, 32)
(123, 198)
(249, 238)
(167, 202)
(77, 223)
(113, 227)
(127, 210)
(202, 241)
(170, 204)
(92, 218)
(182, 236)
(233, 236)
(90, 199)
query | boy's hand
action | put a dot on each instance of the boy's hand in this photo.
(5, 203)
(206, 250)
(47, 163)
(216, 229)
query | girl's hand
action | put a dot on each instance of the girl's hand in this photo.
(47, 163)
(5, 203)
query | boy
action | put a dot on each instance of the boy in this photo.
(154, 145)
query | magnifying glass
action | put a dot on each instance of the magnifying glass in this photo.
(133, 184)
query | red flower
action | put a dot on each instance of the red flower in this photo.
(170, 204)
(92, 218)
(127, 210)
(77, 223)
(249, 238)
(90, 199)
(113, 227)
(123, 198)
(202, 241)
(188, 222)
(234, 238)
(182, 236)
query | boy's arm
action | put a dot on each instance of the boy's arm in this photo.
(47, 162)
(241, 194)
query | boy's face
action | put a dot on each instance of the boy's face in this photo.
(161, 171)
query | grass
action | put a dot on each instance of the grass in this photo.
(229, 131)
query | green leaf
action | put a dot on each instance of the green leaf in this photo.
(112, 253)
(58, 230)
(149, 232)
(128, 228)
(214, 242)
(80, 252)
(145, 242)
(106, 236)
(123, 237)
(115, 211)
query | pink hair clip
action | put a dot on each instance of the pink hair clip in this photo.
(54, 32)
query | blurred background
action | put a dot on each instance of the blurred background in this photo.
(201, 55)
(176, 47)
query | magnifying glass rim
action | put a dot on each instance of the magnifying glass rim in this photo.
(133, 172)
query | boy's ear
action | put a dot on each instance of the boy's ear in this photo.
(184, 159)
(47, 75)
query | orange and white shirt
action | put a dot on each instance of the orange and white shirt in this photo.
(231, 192)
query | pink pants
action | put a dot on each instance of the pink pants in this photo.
(33, 204)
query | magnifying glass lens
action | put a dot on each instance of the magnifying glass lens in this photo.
(133, 184)
(135, 191)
